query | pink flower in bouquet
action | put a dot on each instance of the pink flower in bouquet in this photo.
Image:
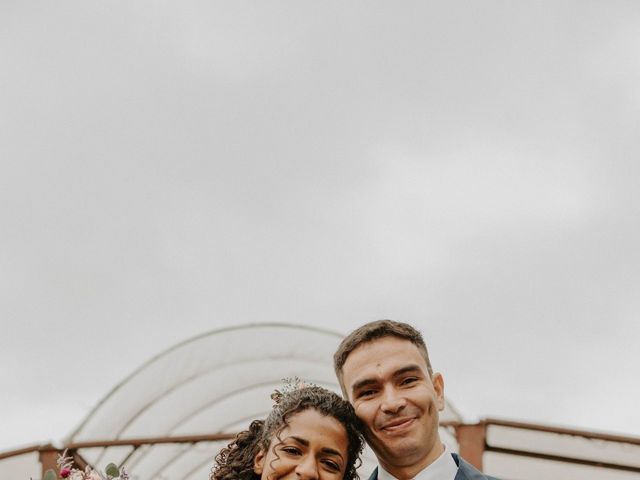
(65, 472)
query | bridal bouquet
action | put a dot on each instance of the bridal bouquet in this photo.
(66, 470)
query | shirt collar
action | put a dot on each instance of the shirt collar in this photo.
(442, 468)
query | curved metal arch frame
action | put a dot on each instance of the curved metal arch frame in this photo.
(181, 344)
(178, 385)
(229, 394)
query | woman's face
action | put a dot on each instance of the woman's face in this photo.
(311, 447)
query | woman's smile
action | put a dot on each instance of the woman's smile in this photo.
(311, 447)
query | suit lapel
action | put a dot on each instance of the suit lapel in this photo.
(461, 475)
(465, 471)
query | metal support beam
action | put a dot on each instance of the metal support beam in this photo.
(48, 457)
(472, 442)
(137, 442)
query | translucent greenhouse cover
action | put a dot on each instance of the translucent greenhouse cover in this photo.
(215, 383)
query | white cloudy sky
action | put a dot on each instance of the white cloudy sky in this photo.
(471, 167)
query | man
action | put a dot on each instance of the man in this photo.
(384, 371)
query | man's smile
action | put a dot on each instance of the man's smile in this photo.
(398, 425)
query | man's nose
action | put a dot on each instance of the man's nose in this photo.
(307, 469)
(392, 401)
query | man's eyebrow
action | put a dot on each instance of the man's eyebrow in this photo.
(365, 382)
(408, 369)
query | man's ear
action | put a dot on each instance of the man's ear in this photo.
(438, 386)
(258, 462)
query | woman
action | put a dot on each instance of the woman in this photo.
(311, 434)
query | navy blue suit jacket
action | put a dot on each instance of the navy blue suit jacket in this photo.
(466, 471)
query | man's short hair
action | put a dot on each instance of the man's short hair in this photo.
(372, 331)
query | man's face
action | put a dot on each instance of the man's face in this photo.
(388, 383)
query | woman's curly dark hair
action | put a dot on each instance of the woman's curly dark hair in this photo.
(235, 461)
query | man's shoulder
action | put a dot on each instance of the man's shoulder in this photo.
(466, 471)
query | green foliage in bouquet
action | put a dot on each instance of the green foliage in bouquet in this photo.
(68, 471)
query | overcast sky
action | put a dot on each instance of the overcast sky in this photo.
(168, 168)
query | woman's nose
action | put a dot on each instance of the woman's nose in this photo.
(307, 469)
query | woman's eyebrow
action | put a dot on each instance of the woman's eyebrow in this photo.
(300, 440)
(305, 442)
(331, 451)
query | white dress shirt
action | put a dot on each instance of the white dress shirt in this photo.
(443, 468)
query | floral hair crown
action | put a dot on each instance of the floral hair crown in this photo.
(289, 385)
